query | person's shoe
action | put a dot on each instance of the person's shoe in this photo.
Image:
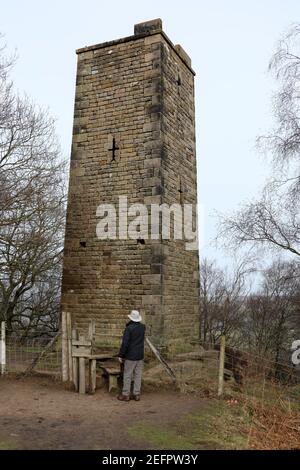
(123, 398)
(136, 397)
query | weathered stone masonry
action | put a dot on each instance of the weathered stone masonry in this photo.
(135, 95)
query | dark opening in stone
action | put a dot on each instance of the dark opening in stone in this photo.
(83, 244)
(141, 241)
(113, 150)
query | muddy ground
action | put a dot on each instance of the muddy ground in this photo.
(39, 413)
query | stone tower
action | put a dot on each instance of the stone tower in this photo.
(134, 136)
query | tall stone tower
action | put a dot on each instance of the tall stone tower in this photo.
(134, 136)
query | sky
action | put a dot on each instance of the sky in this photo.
(230, 43)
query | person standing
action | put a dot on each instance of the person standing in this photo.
(131, 354)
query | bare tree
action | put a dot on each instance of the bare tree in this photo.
(274, 220)
(212, 291)
(32, 198)
(271, 314)
(284, 140)
(222, 298)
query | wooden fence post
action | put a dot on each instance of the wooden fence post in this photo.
(92, 375)
(82, 370)
(75, 363)
(69, 342)
(64, 348)
(221, 366)
(82, 375)
(3, 348)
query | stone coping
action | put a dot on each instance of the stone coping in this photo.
(176, 48)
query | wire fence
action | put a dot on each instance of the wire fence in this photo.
(21, 353)
(262, 378)
(197, 369)
(244, 374)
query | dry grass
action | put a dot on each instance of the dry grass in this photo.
(273, 427)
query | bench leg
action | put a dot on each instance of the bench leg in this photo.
(92, 375)
(82, 375)
(112, 383)
(100, 381)
(75, 362)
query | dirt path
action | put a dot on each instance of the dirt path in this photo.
(37, 413)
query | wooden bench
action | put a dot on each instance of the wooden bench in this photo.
(80, 356)
(110, 370)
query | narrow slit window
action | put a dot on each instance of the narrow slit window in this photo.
(114, 148)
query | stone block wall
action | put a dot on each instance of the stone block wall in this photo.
(135, 94)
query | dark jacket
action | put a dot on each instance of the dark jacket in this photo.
(132, 346)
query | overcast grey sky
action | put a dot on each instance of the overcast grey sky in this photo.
(230, 43)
